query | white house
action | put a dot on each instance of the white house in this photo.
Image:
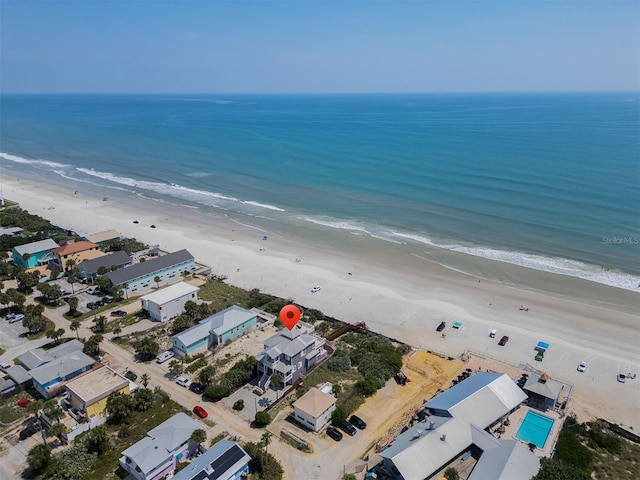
(314, 408)
(163, 305)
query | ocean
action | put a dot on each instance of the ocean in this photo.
(546, 181)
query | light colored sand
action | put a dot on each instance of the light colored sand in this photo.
(395, 293)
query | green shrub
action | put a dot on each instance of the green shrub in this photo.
(339, 362)
(262, 419)
(339, 414)
(216, 393)
(367, 387)
(196, 365)
(239, 405)
(570, 450)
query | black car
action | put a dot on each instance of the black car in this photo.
(118, 313)
(91, 306)
(30, 430)
(334, 433)
(358, 422)
(347, 427)
(441, 327)
(197, 388)
(107, 300)
(99, 303)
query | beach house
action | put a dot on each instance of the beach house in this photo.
(33, 254)
(314, 408)
(454, 426)
(167, 303)
(103, 238)
(142, 274)
(214, 331)
(157, 454)
(75, 252)
(291, 353)
(50, 379)
(88, 270)
(226, 460)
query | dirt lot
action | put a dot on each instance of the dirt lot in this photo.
(393, 406)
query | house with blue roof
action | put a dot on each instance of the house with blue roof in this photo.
(226, 460)
(34, 254)
(214, 331)
(157, 454)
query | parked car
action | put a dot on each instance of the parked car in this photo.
(24, 402)
(183, 381)
(4, 366)
(201, 412)
(65, 292)
(16, 318)
(92, 291)
(118, 313)
(316, 289)
(196, 387)
(99, 303)
(131, 375)
(164, 356)
(92, 306)
(622, 377)
(582, 367)
(358, 422)
(347, 427)
(30, 430)
(503, 341)
(334, 433)
(107, 300)
(492, 333)
(441, 327)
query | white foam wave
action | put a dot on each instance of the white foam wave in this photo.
(32, 161)
(339, 224)
(263, 205)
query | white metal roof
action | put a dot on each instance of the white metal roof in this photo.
(36, 247)
(167, 294)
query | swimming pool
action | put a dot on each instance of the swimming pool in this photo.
(535, 428)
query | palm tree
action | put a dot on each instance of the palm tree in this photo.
(75, 326)
(265, 439)
(125, 286)
(117, 330)
(70, 264)
(73, 305)
(197, 437)
(57, 429)
(144, 379)
(157, 280)
(58, 334)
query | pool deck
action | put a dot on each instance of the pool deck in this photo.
(515, 420)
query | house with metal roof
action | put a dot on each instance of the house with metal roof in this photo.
(455, 422)
(142, 274)
(290, 353)
(314, 408)
(88, 270)
(102, 238)
(157, 454)
(214, 331)
(33, 254)
(167, 303)
(505, 460)
(543, 390)
(226, 460)
(11, 231)
(37, 356)
(76, 252)
(49, 379)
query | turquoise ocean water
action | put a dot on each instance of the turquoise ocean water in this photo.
(549, 181)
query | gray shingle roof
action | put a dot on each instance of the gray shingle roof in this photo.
(116, 258)
(143, 269)
(162, 441)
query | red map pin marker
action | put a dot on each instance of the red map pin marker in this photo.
(290, 314)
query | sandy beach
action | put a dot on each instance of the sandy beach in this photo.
(401, 294)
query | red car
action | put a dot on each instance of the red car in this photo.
(25, 402)
(201, 412)
(503, 341)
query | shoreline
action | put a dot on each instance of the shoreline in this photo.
(397, 291)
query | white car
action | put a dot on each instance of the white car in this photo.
(183, 381)
(316, 289)
(16, 318)
(582, 367)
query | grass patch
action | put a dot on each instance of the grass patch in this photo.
(11, 413)
(220, 436)
(220, 296)
(2, 350)
(163, 408)
(48, 324)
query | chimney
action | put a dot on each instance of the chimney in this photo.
(443, 437)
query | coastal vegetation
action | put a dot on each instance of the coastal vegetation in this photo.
(590, 450)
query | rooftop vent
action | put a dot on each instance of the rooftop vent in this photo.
(417, 433)
(443, 437)
(432, 424)
(208, 469)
